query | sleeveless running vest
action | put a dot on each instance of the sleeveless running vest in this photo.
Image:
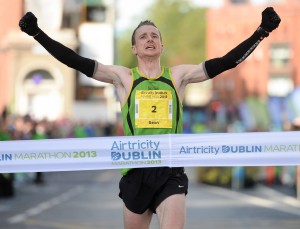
(152, 106)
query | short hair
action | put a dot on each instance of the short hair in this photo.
(142, 23)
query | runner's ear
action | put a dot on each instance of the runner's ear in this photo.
(133, 49)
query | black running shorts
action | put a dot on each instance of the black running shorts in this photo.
(146, 188)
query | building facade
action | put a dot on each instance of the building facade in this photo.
(271, 72)
(8, 23)
(34, 83)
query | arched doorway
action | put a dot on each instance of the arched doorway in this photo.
(42, 97)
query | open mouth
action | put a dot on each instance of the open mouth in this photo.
(150, 47)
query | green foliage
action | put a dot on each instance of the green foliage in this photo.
(183, 33)
(222, 176)
(125, 56)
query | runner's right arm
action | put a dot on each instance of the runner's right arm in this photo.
(119, 76)
(28, 24)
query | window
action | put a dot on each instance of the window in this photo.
(72, 13)
(38, 77)
(95, 11)
(280, 85)
(238, 1)
(280, 55)
(96, 14)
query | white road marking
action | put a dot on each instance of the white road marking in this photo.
(45, 205)
(289, 205)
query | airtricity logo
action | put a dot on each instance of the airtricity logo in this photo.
(241, 149)
(135, 150)
(115, 156)
(6, 157)
(216, 150)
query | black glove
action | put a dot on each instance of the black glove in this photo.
(28, 24)
(270, 21)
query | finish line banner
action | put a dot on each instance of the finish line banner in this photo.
(174, 150)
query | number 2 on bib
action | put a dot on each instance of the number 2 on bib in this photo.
(153, 109)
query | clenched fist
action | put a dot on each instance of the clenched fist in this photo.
(28, 24)
(270, 20)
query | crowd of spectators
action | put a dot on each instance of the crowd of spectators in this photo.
(16, 127)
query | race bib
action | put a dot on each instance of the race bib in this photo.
(153, 109)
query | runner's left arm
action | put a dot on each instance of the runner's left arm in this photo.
(270, 21)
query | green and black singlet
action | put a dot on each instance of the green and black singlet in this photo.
(152, 106)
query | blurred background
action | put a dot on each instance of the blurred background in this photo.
(40, 98)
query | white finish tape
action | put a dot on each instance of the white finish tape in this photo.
(175, 150)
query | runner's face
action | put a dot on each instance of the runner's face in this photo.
(147, 41)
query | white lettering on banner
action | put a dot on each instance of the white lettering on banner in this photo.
(173, 150)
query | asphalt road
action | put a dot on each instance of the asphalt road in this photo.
(88, 200)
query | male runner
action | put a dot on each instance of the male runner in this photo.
(159, 190)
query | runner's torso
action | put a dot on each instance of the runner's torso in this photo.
(152, 106)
